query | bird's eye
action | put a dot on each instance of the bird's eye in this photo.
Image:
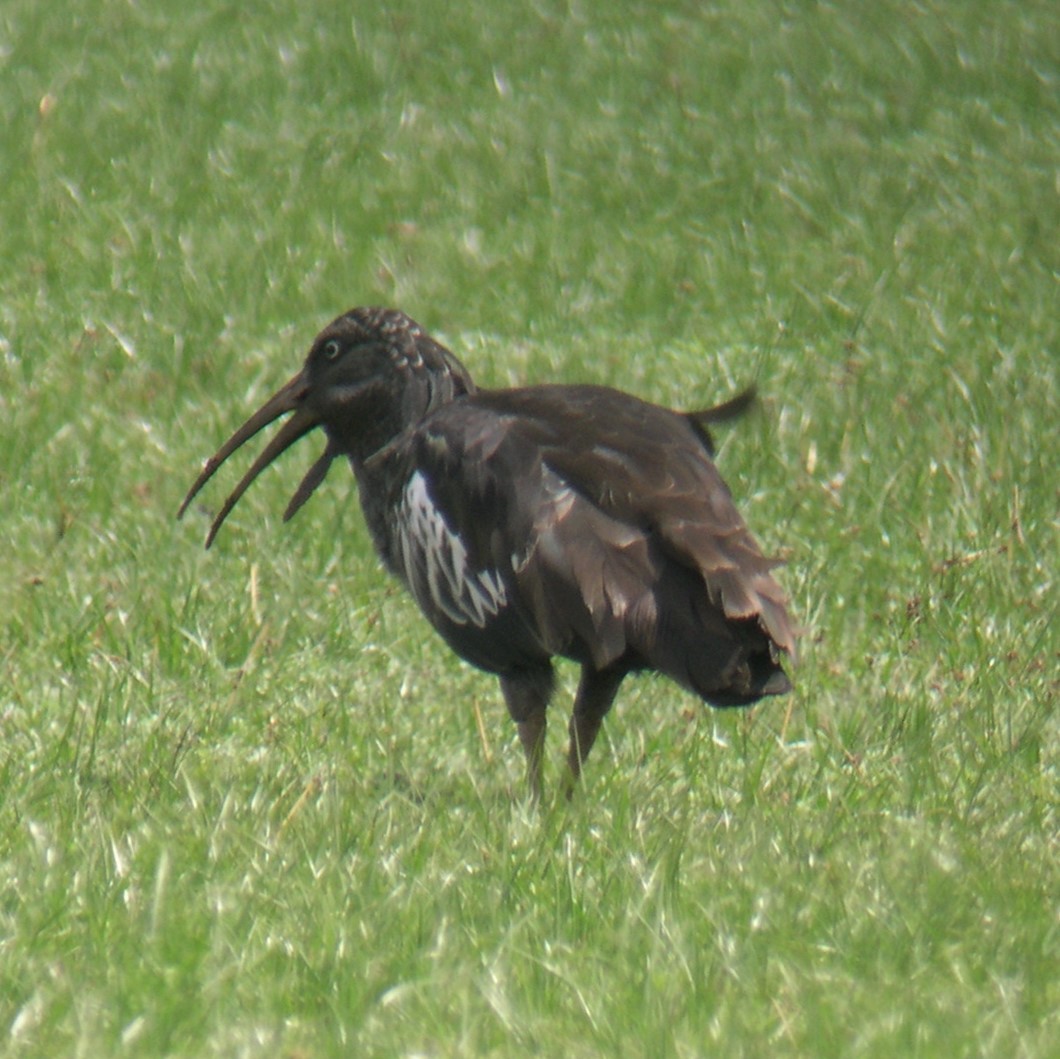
(332, 349)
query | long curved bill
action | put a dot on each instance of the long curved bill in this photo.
(288, 398)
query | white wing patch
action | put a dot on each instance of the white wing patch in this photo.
(436, 564)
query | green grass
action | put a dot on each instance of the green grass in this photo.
(244, 805)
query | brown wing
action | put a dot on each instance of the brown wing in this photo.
(622, 482)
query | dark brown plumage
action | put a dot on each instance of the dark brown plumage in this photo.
(546, 520)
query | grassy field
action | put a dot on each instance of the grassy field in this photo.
(245, 809)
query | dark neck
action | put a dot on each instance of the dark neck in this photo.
(381, 480)
(383, 416)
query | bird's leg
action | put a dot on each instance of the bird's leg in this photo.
(526, 692)
(596, 693)
(532, 736)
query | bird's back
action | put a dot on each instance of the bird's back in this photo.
(581, 521)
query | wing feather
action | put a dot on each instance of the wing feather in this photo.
(565, 504)
(646, 466)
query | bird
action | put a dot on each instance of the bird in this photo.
(538, 522)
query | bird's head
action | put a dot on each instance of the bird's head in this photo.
(371, 374)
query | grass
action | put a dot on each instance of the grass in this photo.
(244, 805)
